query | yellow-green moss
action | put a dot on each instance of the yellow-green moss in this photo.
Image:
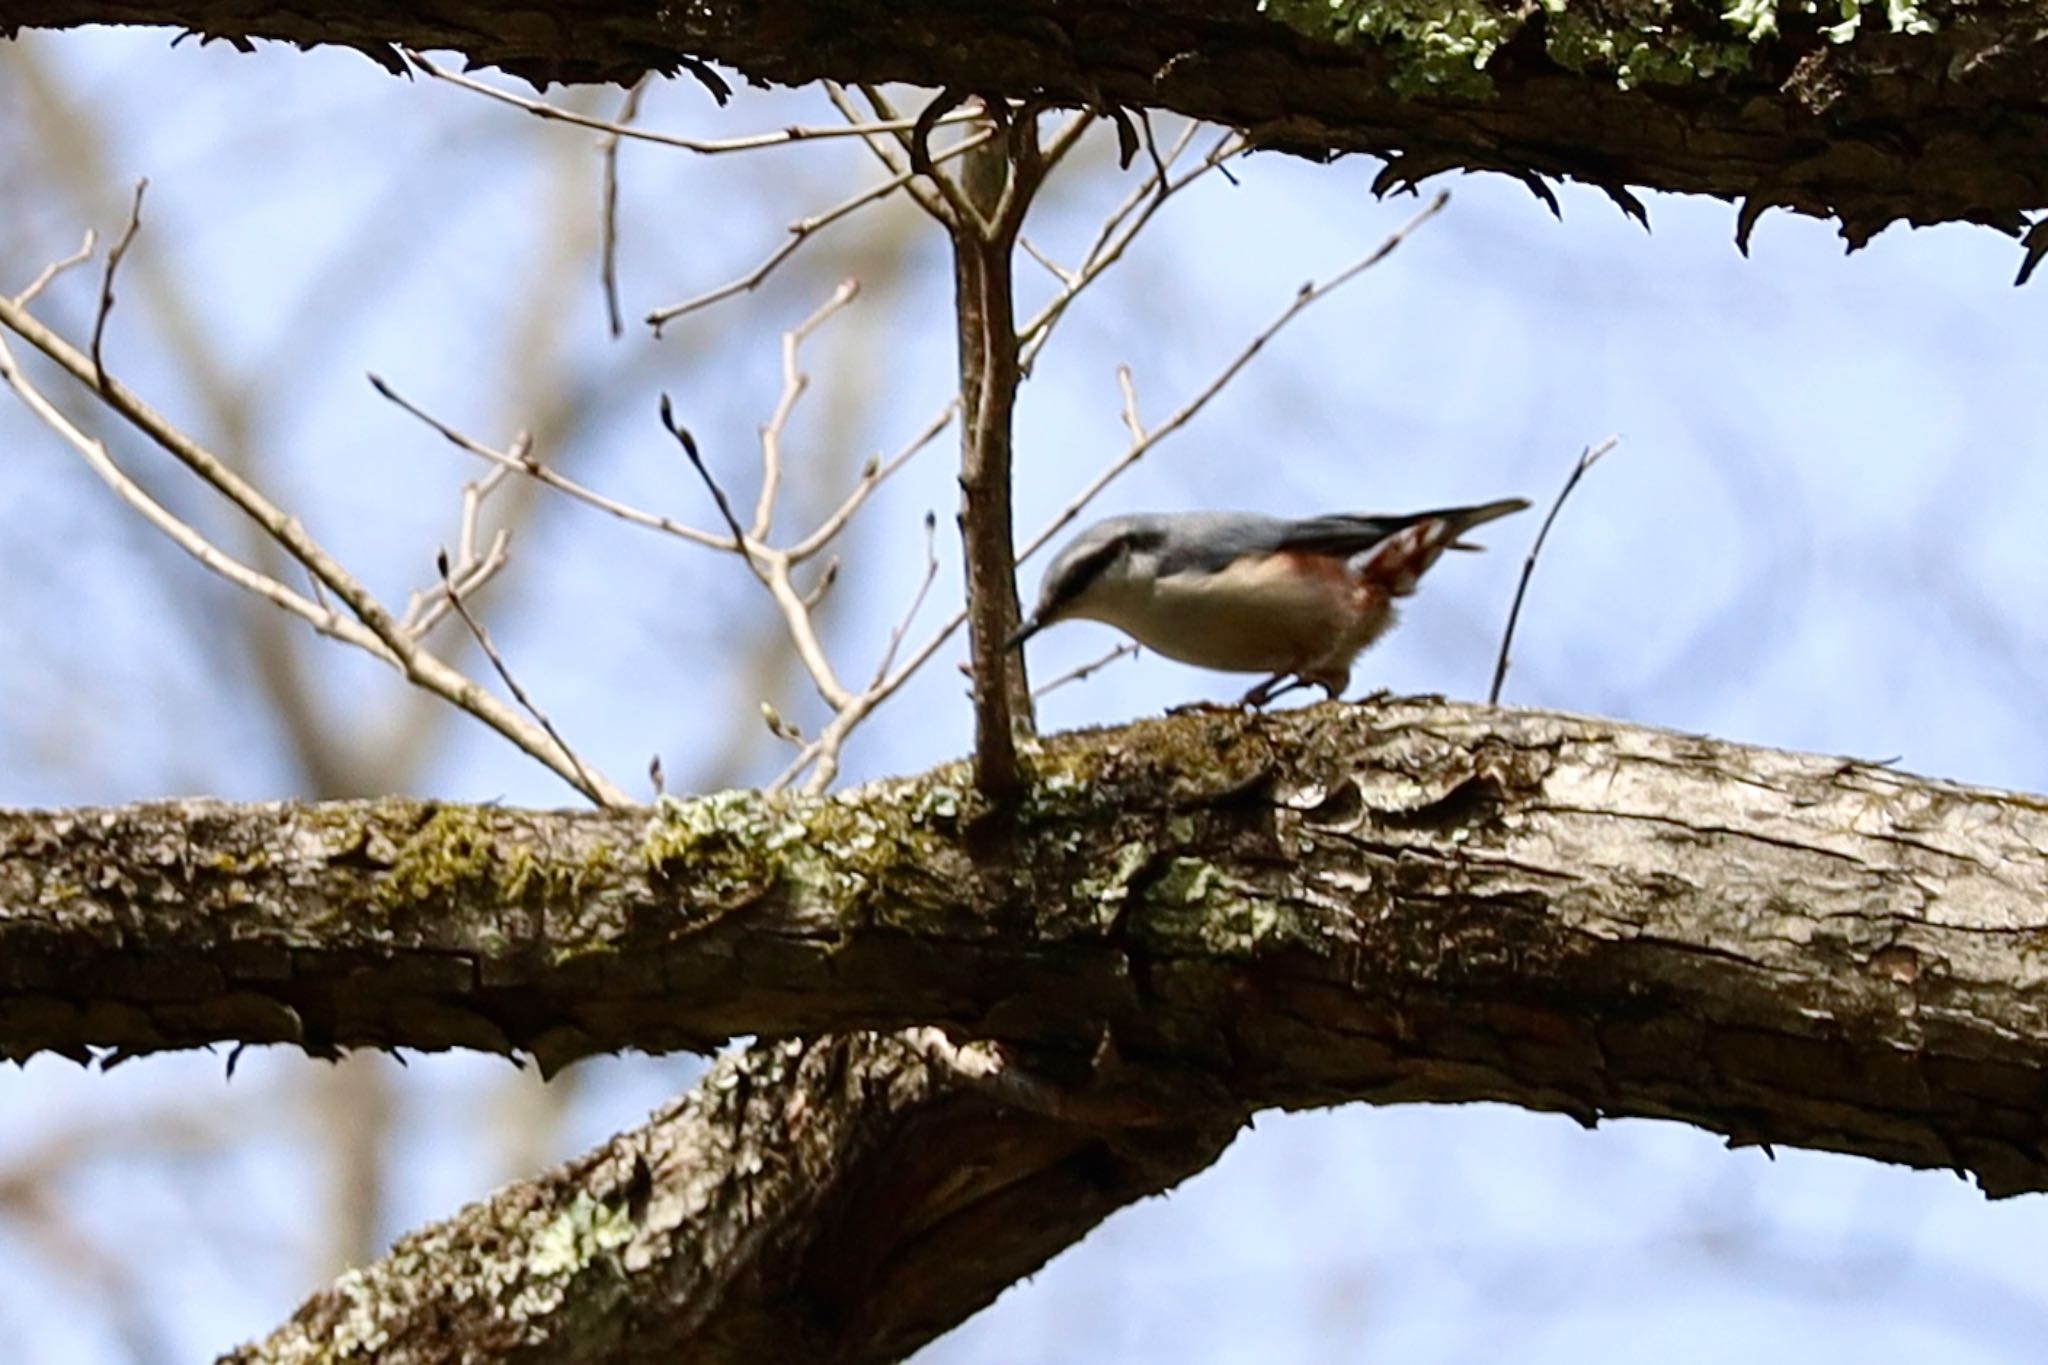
(835, 851)
(461, 853)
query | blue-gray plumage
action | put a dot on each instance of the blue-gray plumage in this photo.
(1245, 593)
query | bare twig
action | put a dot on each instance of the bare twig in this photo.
(800, 231)
(1132, 423)
(1144, 441)
(373, 627)
(740, 539)
(892, 149)
(872, 476)
(781, 137)
(1120, 229)
(106, 308)
(483, 642)
(55, 268)
(772, 568)
(609, 269)
(318, 614)
(1052, 267)
(890, 152)
(473, 567)
(1587, 459)
(1087, 670)
(924, 587)
(794, 384)
(561, 483)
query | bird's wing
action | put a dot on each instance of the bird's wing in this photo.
(1353, 535)
(1344, 536)
(1392, 553)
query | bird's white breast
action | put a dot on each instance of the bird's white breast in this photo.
(1256, 616)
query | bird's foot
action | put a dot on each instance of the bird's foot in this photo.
(1272, 689)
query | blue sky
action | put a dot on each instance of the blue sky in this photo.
(1820, 531)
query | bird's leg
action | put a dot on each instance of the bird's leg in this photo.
(1279, 685)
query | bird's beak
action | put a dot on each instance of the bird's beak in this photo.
(1023, 633)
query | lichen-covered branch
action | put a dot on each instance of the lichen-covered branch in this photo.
(835, 1201)
(1923, 110)
(1404, 901)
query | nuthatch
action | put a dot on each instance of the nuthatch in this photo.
(1243, 593)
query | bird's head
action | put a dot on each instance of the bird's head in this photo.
(1109, 563)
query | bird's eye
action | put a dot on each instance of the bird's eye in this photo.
(1086, 570)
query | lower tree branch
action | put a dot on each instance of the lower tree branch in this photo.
(1406, 901)
(834, 1201)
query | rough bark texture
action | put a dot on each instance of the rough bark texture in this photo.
(1777, 105)
(829, 1202)
(1407, 901)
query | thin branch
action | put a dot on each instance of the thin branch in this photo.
(772, 568)
(794, 383)
(994, 192)
(872, 476)
(826, 579)
(1587, 459)
(924, 587)
(1054, 268)
(891, 149)
(801, 231)
(893, 156)
(106, 308)
(540, 109)
(55, 268)
(952, 209)
(1132, 423)
(1120, 229)
(472, 568)
(318, 614)
(1087, 670)
(561, 483)
(392, 644)
(608, 271)
(1305, 298)
(483, 641)
(742, 542)
(1065, 139)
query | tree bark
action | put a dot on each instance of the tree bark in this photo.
(835, 1201)
(1406, 901)
(1927, 112)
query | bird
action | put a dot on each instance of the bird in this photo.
(1240, 592)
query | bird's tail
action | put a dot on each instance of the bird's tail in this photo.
(1463, 519)
(1397, 563)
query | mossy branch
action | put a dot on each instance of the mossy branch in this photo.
(1404, 901)
(1920, 110)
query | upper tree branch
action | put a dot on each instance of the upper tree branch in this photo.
(1413, 901)
(1786, 108)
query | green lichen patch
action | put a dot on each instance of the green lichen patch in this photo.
(736, 847)
(1194, 908)
(1444, 47)
(1440, 46)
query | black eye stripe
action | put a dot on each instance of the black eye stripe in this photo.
(1085, 571)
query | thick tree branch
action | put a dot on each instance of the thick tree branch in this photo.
(1411, 901)
(834, 1201)
(1869, 119)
